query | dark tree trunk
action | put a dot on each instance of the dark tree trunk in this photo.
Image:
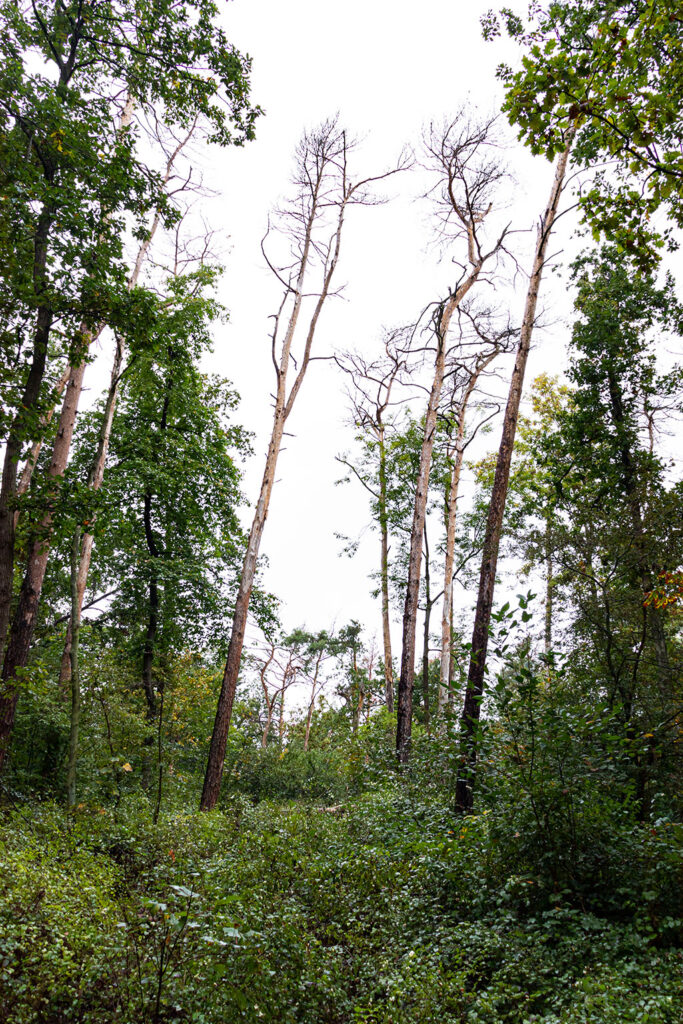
(480, 635)
(384, 571)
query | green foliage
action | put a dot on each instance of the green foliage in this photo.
(390, 911)
(608, 67)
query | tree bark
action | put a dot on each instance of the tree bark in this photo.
(95, 477)
(96, 474)
(15, 438)
(425, 636)
(36, 448)
(384, 570)
(23, 625)
(548, 552)
(283, 408)
(452, 507)
(407, 677)
(480, 635)
(72, 758)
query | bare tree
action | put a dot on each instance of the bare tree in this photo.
(480, 635)
(372, 395)
(313, 222)
(469, 363)
(278, 668)
(468, 173)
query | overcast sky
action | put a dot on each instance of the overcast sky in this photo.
(388, 68)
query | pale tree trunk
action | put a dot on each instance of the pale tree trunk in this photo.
(30, 396)
(269, 718)
(96, 474)
(95, 478)
(281, 723)
(283, 406)
(23, 624)
(36, 448)
(311, 703)
(373, 383)
(466, 185)
(447, 611)
(21, 633)
(425, 635)
(15, 437)
(451, 522)
(270, 704)
(309, 719)
(480, 636)
(407, 677)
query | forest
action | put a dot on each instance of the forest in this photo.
(457, 799)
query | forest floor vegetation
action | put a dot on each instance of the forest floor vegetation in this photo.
(395, 910)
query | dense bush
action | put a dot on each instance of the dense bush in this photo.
(391, 911)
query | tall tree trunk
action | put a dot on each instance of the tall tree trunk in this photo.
(548, 552)
(20, 425)
(36, 448)
(283, 408)
(281, 723)
(96, 474)
(23, 625)
(95, 477)
(494, 523)
(646, 570)
(311, 703)
(32, 389)
(406, 680)
(451, 521)
(425, 636)
(384, 570)
(404, 721)
(75, 678)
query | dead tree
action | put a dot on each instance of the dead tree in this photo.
(371, 395)
(468, 173)
(313, 223)
(278, 668)
(480, 634)
(477, 349)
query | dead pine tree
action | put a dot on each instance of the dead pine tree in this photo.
(462, 156)
(372, 396)
(312, 224)
(480, 635)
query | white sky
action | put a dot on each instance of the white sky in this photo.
(388, 68)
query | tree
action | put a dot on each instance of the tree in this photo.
(467, 177)
(611, 67)
(312, 224)
(173, 148)
(372, 395)
(470, 363)
(78, 182)
(314, 651)
(494, 523)
(616, 381)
